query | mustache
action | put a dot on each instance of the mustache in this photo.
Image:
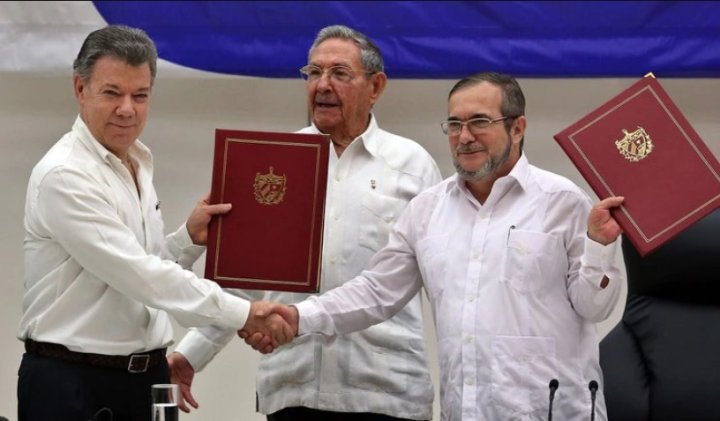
(469, 148)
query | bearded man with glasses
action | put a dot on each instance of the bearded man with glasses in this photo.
(379, 373)
(516, 262)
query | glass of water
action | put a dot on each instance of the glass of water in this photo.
(165, 402)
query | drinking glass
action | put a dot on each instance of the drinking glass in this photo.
(165, 402)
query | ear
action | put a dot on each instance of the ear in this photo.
(377, 83)
(517, 131)
(79, 88)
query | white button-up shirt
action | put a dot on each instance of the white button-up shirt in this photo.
(98, 269)
(381, 369)
(514, 285)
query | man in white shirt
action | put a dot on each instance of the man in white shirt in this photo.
(100, 276)
(379, 373)
(517, 264)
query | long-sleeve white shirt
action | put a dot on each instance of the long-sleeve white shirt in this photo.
(514, 285)
(99, 272)
(382, 369)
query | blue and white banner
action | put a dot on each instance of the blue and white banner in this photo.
(425, 39)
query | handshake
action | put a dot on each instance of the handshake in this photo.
(269, 325)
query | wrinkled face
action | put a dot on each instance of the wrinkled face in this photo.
(492, 151)
(114, 102)
(337, 107)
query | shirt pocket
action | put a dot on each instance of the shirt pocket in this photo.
(378, 214)
(378, 359)
(521, 369)
(291, 364)
(533, 260)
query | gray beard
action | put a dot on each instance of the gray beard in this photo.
(489, 168)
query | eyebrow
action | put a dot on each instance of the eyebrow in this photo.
(117, 88)
(477, 115)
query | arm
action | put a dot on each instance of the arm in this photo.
(596, 290)
(85, 221)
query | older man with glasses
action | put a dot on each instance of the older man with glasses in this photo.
(517, 264)
(379, 373)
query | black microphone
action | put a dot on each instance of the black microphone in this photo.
(553, 387)
(593, 386)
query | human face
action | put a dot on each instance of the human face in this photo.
(114, 102)
(342, 109)
(492, 152)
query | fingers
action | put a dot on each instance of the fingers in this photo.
(185, 398)
(610, 202)
(602, 227)
(218, 209)
(269, 325)
(182, 373)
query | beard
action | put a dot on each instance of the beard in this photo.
(488, 169)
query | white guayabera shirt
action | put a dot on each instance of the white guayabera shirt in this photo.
(382, 369)
(515, 291)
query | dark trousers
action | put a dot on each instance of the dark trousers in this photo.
(301, 413)
(52, 389)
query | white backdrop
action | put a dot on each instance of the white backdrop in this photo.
(36, 109)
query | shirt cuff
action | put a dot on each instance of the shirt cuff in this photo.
(198, 349)
(602, 259)
(180, 245)
(308, 313)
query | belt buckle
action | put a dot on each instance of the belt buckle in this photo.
(138, 363)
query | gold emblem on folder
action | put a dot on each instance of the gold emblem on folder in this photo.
(269, 188)
(635, 145)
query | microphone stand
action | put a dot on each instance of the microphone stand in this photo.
(553, 387)
(593, 386)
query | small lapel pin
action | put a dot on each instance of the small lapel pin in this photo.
(157, 205)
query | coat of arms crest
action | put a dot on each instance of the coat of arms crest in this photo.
(636, 145)
(269, 188)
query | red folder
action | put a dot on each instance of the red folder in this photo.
(272, 237)
(640, 146)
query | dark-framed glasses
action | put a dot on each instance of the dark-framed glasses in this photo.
(474, 125)
(343, 74)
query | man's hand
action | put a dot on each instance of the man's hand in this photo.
(197, 222)
(182, 373)
(269, 326)
(602, 227)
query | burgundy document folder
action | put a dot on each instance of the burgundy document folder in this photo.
(640, 146)
(272, 237)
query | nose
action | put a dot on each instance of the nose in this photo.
(125, 108)
(323, 84)
(465, 136)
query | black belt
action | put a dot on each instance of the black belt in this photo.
(135, 363)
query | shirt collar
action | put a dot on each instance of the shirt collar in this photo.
(368, 139)
(520, 172)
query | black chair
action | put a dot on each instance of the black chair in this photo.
(662, 361)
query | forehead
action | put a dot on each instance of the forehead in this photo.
(115, 71)
(336, 51)
(483, 98)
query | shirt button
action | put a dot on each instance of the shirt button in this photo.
(469, 381)
(468, 339)
(471, 299)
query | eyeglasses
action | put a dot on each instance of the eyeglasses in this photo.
(475, 125)
(342, 74)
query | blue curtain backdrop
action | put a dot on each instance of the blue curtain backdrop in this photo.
(438, 40)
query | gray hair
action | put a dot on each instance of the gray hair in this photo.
(513, 99)
(370, 55)
(131, 45)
